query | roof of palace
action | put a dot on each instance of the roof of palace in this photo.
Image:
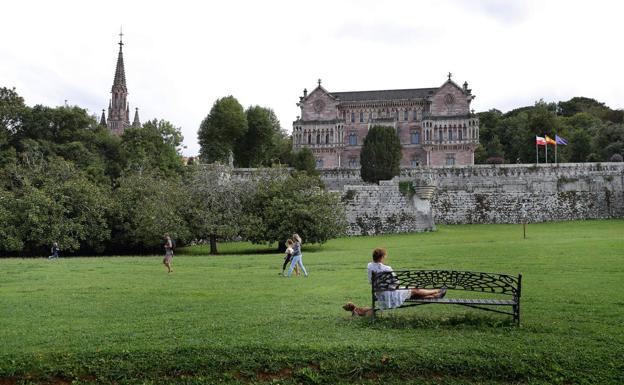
(359, 96)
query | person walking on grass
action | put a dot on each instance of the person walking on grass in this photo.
(288, 257)
(168, 260)
(297, 256)
(54, 251)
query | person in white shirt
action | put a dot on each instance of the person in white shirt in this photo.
(389, 299)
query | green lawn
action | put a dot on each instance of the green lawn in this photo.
(232, 319)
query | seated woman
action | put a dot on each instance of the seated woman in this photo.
(389, 299)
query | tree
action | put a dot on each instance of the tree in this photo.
(217, 205)
(52, 201)
(578, 148)
(224, 126)
(297, 204)
(256, 147)
(303, 160)
(381, 154)
(154, 146)
(147, 206)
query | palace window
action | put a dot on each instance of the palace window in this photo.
(414, 162)
(460, 134)
(450, 134)
(361, 117)
(353, 139)
(326, 138)
(450, 159)
(318, 138)
(353, 162)
(353, 117)
(309, 138)
(405, 115)
(319, 163)
(415, 115)
(415, 138)
(440, 136)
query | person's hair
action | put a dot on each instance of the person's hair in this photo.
(167, 236)
(290, 242)
(378, 254)
(297, 238)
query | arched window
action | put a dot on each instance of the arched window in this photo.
(415, 138)
(353, 117)
(352, 139)
(361, 117)
(309, 138)
(318, 138)
(326, 138)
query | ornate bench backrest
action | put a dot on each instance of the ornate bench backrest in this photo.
(454, 280)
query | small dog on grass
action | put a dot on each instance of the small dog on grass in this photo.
(361, 311)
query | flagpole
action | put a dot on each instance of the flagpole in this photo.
(556, 152)
(546, 156)
(536, 152)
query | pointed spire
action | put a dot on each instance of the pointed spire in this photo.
(103, 119)
(120, 72)
(136, 122)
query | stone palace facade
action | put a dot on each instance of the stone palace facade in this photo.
(435, 125)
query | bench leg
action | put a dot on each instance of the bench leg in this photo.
(516, 309)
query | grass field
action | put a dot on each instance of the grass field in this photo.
(232, 319)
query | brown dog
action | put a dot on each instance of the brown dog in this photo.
(361, 311)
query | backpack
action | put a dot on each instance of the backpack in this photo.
(173, 245)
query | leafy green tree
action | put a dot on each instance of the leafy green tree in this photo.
(55, 202)
(495, 152)
(381, 154)
(297, 204)
(225, 125)
(216, 209)
(154, 146)
(579, 146)
(256, 147)
(147, 206)
(303, 160)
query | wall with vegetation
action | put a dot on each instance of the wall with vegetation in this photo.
(497, 193)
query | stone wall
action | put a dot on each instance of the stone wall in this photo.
(497, 194)
(383, 209)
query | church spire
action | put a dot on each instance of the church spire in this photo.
(103, 119)
(120, 72)
(118, 108)
(136, 122)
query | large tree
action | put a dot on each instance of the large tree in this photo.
(219, 132)
(381, 154)
(258, 146)
(296, 204)
(154, 146)
(216, 205)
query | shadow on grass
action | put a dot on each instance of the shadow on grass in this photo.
(462, 321)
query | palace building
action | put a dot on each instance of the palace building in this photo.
(435, 125)
(118, 106)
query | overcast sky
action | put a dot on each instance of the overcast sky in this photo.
(180, 56)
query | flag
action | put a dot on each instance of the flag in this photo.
(550, 140)
(560, 140)
(539, 141)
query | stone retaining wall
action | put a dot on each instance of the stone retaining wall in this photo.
(497, 194)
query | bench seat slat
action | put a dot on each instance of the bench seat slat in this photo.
(466, 301)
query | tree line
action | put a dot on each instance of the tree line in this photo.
(595, 132)
(66, 179)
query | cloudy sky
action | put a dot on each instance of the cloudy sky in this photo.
(180, 56)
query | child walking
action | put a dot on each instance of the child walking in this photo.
(297, 257)
(54, 251)
(288, 257)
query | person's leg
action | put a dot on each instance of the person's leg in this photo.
(286, 260)
(425, 293)
(305, 273)
(293, 262)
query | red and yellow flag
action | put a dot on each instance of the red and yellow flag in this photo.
(550, 140)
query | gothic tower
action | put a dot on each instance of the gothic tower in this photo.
(118, 106)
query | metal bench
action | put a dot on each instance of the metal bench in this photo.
(502, 284)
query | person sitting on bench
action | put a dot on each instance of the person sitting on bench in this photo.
(389, 299)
